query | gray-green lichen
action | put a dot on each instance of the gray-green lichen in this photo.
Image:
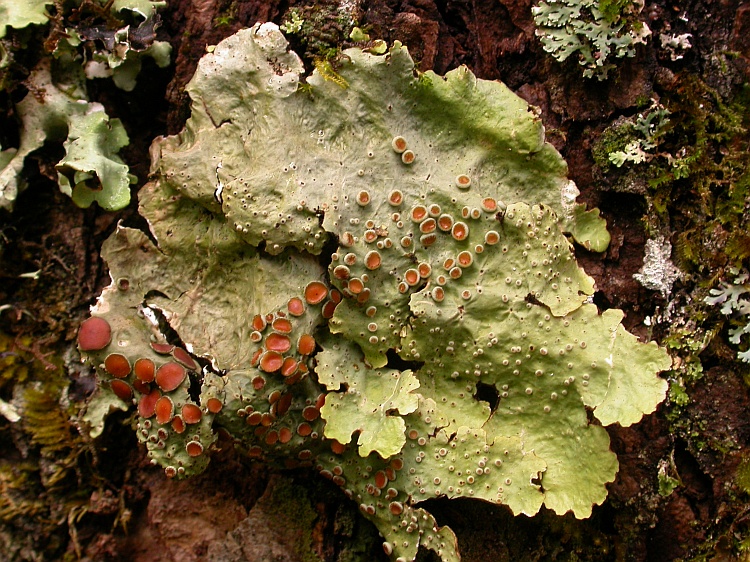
(591, 31)
(60, 112)
(735, 305)
(647, 130)
(57, 108)
(371, 281)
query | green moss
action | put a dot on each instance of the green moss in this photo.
(227, 16)
(677, 394)
(667, 478)
(702, 188)
(702, 142)
(320, 29)
(14, 364)
(223, 21)
(327, 71)
(612, 10)
(55, 480)
(614, 138)
(48, 469)
(643, 100)
(287, 499)
(697, 180)
(20, 492)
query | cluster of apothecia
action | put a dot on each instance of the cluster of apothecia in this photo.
(154, 377)
(156, 380)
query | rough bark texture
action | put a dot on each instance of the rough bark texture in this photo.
(240, 511)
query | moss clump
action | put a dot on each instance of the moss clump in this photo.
(613, 10)
(697, 176)
(742, 476)
(39, 491)
(614, 138)
(14, 364)
(48, 470)
(318, 31)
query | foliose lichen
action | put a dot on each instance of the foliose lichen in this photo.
(646, 128)
(119, 52)
(373, 282)
(96, 43)
(733, 298)
(593, 30)
(676, 44)
(21, 14)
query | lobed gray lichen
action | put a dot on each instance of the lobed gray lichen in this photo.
(735, 305)
(340, 275)
(591, 32)
(647, 132)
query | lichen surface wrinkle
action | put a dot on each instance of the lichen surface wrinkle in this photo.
(449, 276)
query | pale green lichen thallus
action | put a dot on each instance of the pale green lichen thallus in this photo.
(433, 203)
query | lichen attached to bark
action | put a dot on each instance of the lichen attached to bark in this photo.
(371, 281)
